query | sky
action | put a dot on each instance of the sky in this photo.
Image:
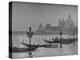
(25, 15)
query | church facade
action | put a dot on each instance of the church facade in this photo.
(64, 26)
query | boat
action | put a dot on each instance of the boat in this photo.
(63, 41)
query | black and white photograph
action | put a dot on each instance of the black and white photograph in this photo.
(42, 30)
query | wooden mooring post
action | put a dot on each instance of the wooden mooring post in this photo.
(60, 39)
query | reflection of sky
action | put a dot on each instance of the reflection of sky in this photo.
(25, 15)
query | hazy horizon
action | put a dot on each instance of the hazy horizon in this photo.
(25, 15)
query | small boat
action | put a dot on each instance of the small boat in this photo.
(63, 41)
(34, 47)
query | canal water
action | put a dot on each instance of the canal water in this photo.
(67, 49)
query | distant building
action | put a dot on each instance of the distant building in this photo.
(40, 27)
(63, 26)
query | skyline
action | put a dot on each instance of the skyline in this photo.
(25, 15)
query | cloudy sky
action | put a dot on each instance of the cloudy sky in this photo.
(27, 14)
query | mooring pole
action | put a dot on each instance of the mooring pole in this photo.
(60, 39)
(73, 35)
(73, 38)
(30, 35)
(30, 54)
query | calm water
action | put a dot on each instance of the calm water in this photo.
(70, 49)
(67, 49)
